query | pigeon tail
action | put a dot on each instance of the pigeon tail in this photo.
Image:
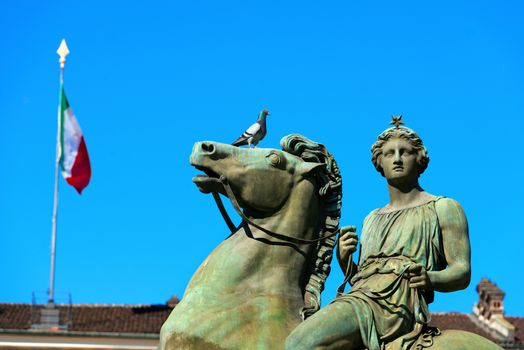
(241, 141)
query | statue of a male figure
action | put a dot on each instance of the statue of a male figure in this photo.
(417, 244)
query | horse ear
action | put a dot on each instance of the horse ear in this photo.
(307, 168)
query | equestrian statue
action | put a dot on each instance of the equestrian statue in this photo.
(260, 288)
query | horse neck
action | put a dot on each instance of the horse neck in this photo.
(299, 216)
(283, 266)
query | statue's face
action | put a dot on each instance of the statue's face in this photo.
(399, 160)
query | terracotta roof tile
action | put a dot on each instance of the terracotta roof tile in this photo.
(149, 319)
(455, 320)
(15, 316)
(518, 322)
(92, 318)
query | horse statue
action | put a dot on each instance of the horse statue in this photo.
(267, 276)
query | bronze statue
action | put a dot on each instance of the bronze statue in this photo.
(417, 244)
(260, 288)
(253, 288)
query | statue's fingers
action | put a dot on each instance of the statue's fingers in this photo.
(421, 285)
(415, 268)
(352, 234)
(349, 243)
(349, 236)
(345, 229)
(413, 285)
(348, 247)
(352, 240)
(345, 237)
(416, 279)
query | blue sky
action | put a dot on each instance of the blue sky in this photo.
(147, 80)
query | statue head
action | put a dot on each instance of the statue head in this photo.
(262, 178)
(401, 133)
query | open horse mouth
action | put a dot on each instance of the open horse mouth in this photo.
(207, 183)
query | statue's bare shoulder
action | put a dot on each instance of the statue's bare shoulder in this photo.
(451, 214)
(455, 238)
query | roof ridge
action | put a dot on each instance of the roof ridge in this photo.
(506, 316)
(87, 304)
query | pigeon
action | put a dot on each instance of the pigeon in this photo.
(255, 132)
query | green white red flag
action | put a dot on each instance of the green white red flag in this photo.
(74, 160)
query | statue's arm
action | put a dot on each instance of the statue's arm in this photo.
(347, 244)
(457, 251)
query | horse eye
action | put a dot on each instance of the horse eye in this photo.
(274, 159)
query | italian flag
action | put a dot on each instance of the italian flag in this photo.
(74, 159)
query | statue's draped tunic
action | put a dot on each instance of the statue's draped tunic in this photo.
(385, 305)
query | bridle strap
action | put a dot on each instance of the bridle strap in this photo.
(347, 276)
(224, 213)
(229, 192)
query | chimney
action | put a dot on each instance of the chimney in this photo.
(489, 311)
(50, 316)
(173, 301)
(49, 319)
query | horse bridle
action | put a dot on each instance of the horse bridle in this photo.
(232, 198)
(231, 195)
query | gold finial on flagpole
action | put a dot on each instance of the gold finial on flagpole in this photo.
(63, 51)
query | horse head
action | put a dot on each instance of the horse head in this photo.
(262, 179)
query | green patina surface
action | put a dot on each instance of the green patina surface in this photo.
(417, 244)
(250, 291)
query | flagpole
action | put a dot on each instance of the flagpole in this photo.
(62, 52)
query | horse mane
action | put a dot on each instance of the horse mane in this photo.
(330, 191)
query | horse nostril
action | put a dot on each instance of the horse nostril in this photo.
(208, 148)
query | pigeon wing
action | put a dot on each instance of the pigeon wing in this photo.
(252, 130)
(242, 140)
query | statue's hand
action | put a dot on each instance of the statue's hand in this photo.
(347, 242)
(418, 277)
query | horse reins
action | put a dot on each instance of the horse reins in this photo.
(229, 192)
